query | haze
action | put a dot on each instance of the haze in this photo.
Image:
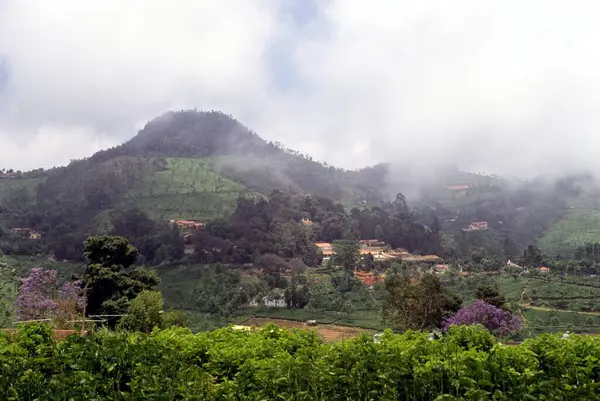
(509, 87)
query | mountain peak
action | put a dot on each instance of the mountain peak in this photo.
(192, 133)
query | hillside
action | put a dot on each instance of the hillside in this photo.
(186, 165)
(195, 165)
(577, 227)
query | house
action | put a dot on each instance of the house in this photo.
(187, 224)
(275, 299)
(513, 264)
(441, 268)
(478, 226)
(27, 233)
(409, 257)
(325, 247)
(544, 269)
(306, 221)
(189, 249)
(371, 243)
(457, 187)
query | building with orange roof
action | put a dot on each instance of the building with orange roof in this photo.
(325, 247)
(368, 278)
(187, 224)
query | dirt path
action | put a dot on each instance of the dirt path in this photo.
(545, 309)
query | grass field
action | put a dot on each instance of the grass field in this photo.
(575, 228)
(187, 189)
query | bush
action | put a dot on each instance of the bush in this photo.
(271, 363)
(145, 313)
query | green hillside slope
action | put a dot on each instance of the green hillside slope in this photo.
(576, 228)
(187, 188)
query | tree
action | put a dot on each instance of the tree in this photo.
(41, 297)
(491, 295)
(379, 233)
(347, 253)
(498, 321)
(144, 312)
(109, 251)
(419, 306)
(108, 282)
(532, 257)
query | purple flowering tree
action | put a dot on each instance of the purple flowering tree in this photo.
(41, 296)
(498, 321)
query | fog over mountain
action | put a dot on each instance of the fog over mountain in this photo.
(509, 87)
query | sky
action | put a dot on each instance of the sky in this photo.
(509, 87)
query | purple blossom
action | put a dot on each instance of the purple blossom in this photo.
(40, 296)
(498, 321)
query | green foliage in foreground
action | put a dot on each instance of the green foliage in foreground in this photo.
(467, 364)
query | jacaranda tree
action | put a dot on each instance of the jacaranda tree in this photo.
(498, 321)
(42, 297)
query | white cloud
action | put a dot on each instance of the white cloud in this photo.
(508, 86)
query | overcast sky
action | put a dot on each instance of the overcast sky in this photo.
(500, 86)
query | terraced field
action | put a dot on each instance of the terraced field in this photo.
(575, 228)
(188, 188)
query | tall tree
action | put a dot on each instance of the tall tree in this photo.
(379, 233)
(108, 281)
(347, 253)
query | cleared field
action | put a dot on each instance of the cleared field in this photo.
(329, 332)
(366, 319)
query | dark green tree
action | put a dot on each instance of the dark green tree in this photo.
(420, 306)
(532, 257)
(491, 295)
(109, 282)
(379, 233)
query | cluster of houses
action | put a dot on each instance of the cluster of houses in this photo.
(541, 269)
(27, 233)
(380, 251)
(477, 226)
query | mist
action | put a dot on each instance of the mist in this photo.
(494, 87)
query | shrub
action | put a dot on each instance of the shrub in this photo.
(271, 363)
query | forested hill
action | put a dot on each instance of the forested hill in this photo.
(233, 151)
(185, 164)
